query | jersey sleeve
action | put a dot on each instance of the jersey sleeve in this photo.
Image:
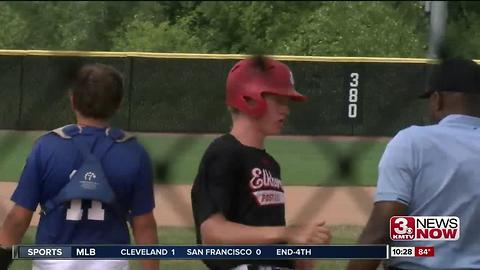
(143, 199)
(29, 188)
(397, 170)
(214, 185)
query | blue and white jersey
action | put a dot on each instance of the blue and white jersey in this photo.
(48, 168)
(435, 171)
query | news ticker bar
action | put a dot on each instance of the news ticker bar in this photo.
(219, 252)
(129, 252)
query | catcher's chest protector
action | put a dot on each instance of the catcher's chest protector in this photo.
(89, 180)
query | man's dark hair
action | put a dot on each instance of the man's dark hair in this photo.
(97, 91)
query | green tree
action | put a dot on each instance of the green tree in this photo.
(462, 37)
(396, 29)
(358, 29)
(14, 28)
(140, 35)
(245, 27)
(156, 27)
(70, 25)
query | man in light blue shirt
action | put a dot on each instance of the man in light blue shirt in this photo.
(434, 171)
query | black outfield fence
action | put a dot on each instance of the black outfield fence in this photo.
(185, 92)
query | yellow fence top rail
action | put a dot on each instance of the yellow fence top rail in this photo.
(210, 56)
(216, 56)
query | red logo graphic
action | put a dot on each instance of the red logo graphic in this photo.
(402, 228)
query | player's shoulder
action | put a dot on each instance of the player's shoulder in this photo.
(62, 135)
(414, 134)
(48, 143)
(50, 138)
(125, 140)
(121, 136)
(224, 145)
(410, 131)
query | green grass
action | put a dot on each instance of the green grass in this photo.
(174, 235)
(303, 162)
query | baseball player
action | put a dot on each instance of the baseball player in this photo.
(237, 195)
(434, 171)
(90, 180)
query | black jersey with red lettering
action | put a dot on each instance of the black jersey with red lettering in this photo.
(242, 183)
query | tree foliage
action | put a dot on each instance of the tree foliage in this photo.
(397, 29)
(356, 29)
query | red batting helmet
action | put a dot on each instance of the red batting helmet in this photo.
(250, 78)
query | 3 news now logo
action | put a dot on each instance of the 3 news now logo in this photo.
(409, 228)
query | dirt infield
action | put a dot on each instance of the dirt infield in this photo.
(335, 205)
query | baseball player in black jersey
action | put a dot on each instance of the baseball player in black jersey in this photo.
(237, 196)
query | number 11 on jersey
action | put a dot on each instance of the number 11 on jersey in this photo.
(95, 212)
